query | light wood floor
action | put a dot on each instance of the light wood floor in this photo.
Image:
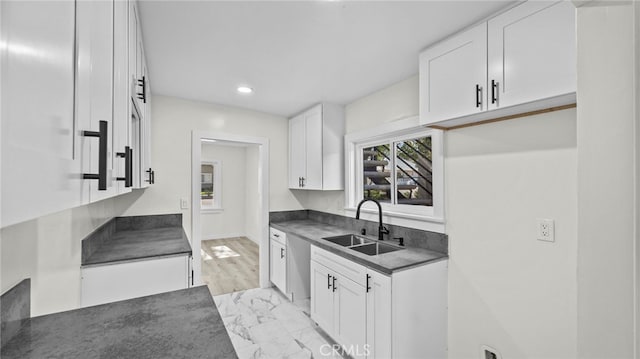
(231, 274)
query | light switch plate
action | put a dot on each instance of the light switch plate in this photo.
(184, 203)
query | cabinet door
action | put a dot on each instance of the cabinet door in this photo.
(121, 95)
(94, 92)
(322, 307)
(145, 130)
(40, 166)
(378, 314)
(110, 283)
(278, 266)
(297, 151)
(532, 52)
(350, 316)
(313, 157)
(453, 76)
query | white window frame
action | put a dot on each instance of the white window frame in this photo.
(217, 186)
(422, 217)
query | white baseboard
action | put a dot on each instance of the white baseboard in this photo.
(221, 236)
(253, 240)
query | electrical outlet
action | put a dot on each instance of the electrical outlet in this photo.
(184, 203)
(545, 230)
(487, 352)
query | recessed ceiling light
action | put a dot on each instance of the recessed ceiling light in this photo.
(245, 89)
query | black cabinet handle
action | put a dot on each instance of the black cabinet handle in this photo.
(368, 287)
(299, 181)
(143, 95)
(494, 91)
(281, 253)
(128, 168)
(276, 235)
(302, 181)
(101, 176)
(328, 281)
(152, 176)
(334, 283)
(478, 96)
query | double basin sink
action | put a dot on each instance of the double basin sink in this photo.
(361, 244)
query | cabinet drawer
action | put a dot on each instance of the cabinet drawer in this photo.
(343, 266)
(113, 282)
(278, 236)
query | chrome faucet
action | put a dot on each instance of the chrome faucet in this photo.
(381, 229)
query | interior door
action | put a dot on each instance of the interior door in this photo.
(453, 76)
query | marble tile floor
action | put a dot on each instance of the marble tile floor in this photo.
(262, 323)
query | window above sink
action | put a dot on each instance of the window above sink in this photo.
(400, 164)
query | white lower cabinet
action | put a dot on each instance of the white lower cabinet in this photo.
(112, 282)
(289, 264)
(374, 315)
(278, 265)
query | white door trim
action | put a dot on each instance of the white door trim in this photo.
(263, 198)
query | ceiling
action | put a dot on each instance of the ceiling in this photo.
(293, 54)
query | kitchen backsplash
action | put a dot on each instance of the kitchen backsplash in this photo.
(434, 241)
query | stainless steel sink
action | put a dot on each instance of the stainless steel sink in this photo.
(373, 249)
(348, 240)
(361, 244)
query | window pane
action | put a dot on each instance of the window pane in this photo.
(413, 172)
(206, 182)
(376, 173)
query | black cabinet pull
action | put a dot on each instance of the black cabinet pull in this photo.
(478, 96)
(334, 283)
(143, 95)
(152, 176)
(101, 176)
(302, 181)
(368, 287)
(328, 281)
(299, 181)
(494, 91)
(281, 253)
(128, 168)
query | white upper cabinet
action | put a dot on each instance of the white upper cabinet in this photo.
(453, 76)
(94, 98)
(40, 166)
(143, 174)
(520, 61)
(121, 98)
(316, 149)
(532, 53)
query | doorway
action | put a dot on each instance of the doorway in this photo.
(229, 216)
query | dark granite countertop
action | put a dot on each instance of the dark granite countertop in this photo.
(128, 245)
(387, 263)
(179, 324)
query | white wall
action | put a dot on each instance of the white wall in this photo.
(173, 121)
(607, 152)
(395, 102)
(48, 250)
(252, 212)
(230, 221)
(507, 289)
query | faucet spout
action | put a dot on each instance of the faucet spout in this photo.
(381, 229)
